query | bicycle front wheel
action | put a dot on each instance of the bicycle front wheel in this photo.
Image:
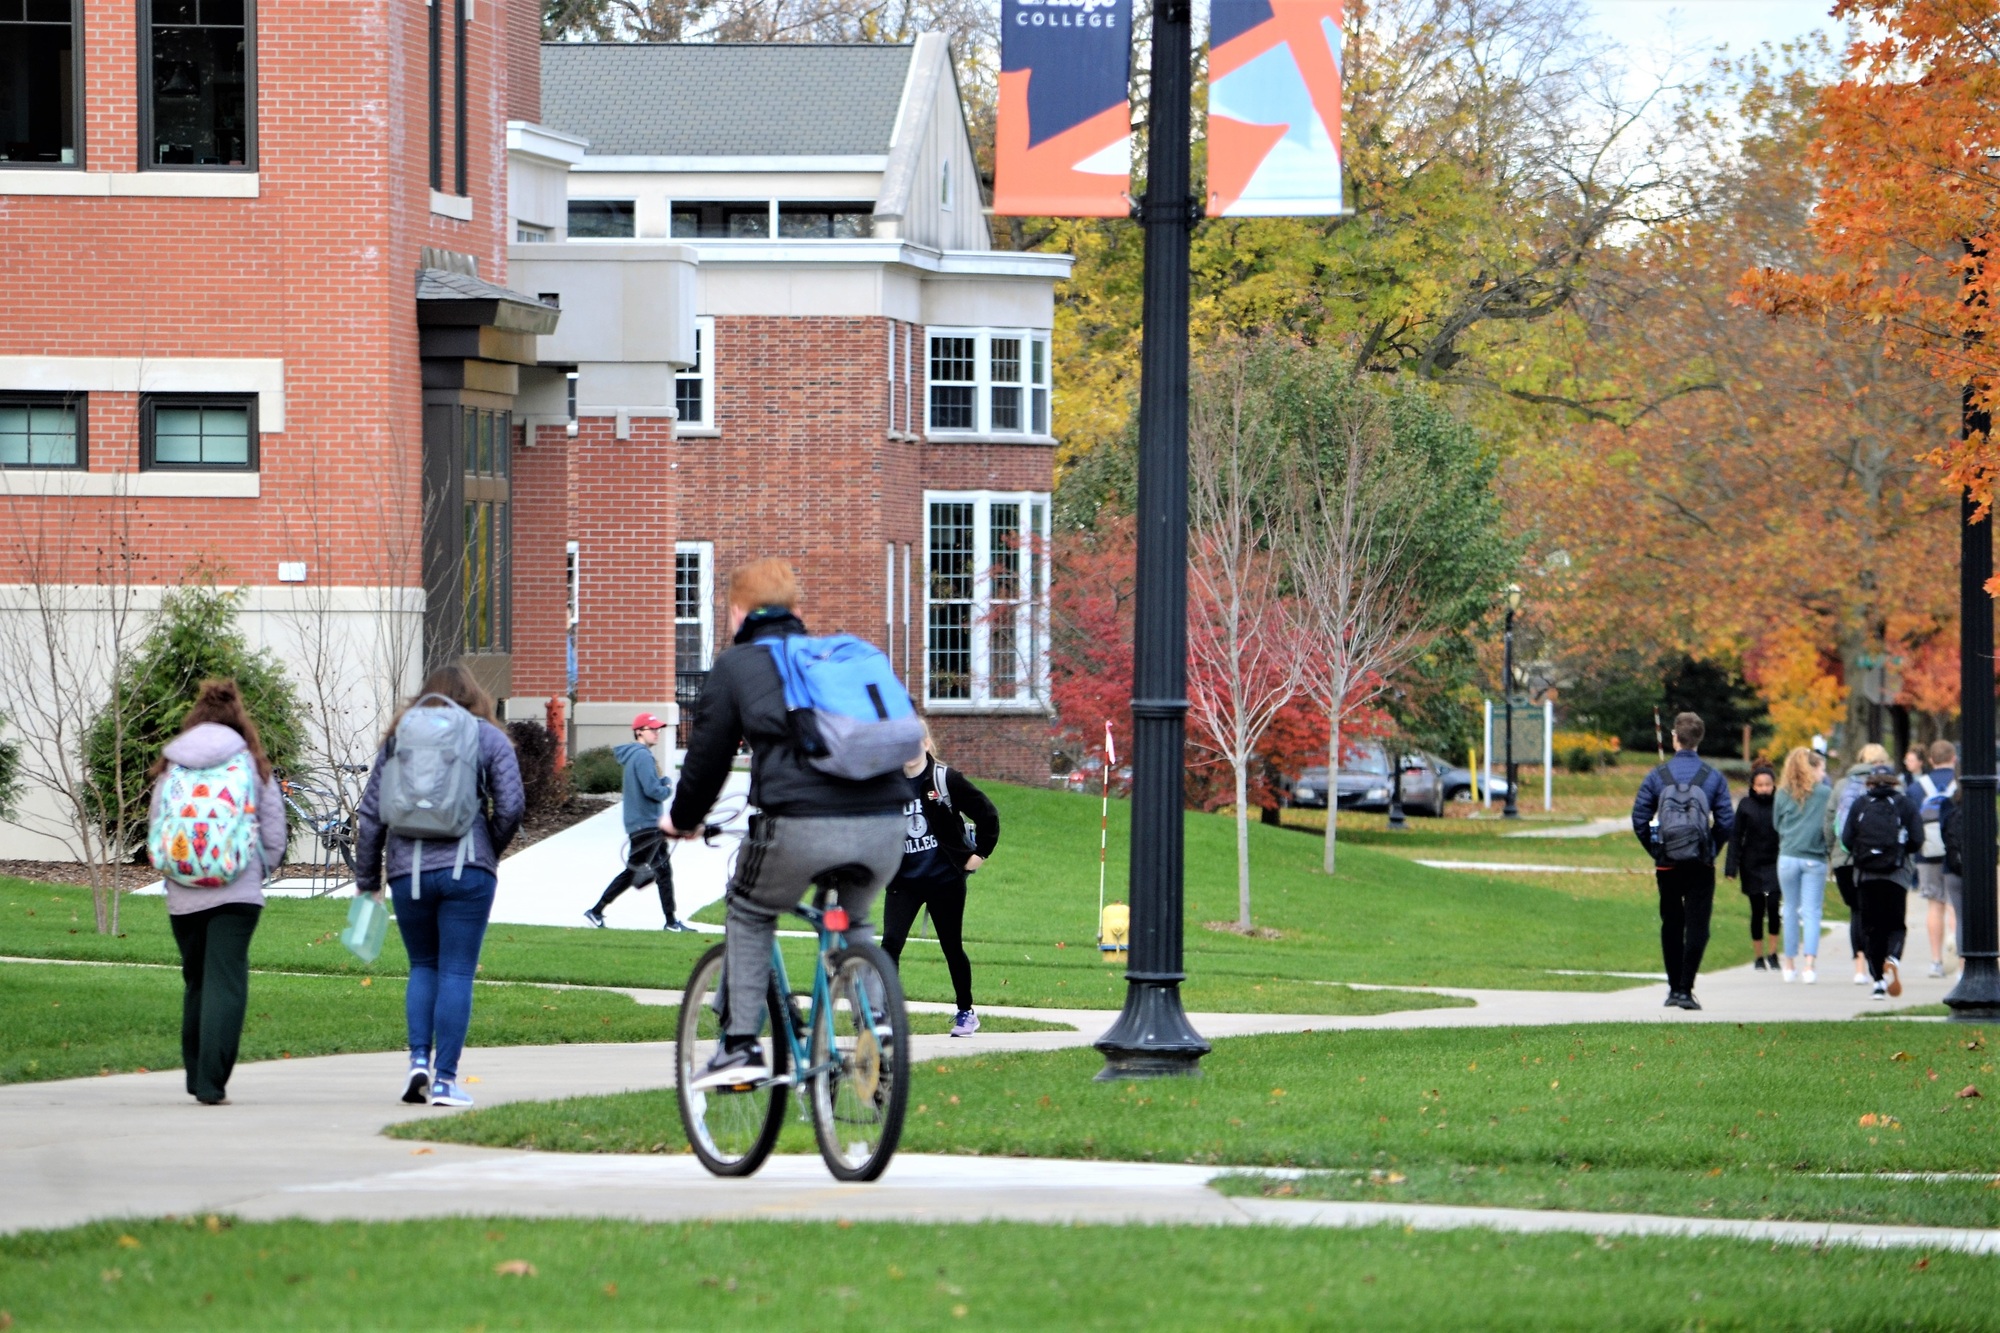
(861, 1048)
(731, 1132)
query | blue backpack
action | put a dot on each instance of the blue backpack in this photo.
(850, 715)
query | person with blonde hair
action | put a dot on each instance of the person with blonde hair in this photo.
(937, 857)
(808, 822)
(1845, 791)
(1799, 810)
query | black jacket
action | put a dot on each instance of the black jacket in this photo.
(967, 802)
(743, 699)
(1753, 847)
(1913, 839)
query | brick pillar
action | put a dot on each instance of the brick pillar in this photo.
(624, 529)
(541, 500)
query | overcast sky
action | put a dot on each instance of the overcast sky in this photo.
(1701, 25)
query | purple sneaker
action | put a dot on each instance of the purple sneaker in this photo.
(965, 1024)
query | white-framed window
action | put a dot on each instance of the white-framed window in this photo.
(527, 233)
(986, 589)
(694, 388)
(694, 606)
(988, 381)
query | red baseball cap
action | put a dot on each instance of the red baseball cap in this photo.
(648, 721)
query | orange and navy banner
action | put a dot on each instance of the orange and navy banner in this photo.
(1065, 132)
(1274, 108)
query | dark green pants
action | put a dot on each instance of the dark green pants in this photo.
(215, 965)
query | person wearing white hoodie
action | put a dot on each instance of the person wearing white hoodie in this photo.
(213, 926)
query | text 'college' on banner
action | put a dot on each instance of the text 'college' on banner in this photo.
(1064, 138)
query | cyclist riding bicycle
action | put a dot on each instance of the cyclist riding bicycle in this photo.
(808, 822)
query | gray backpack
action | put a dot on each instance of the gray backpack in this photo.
(430, 781)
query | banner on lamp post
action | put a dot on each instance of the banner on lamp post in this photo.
(1064, 138)
(1274, 108)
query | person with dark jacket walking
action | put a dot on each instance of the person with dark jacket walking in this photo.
(808, 822)
(646, 860)
(442, 915)
(1845, 791)
(213, 926)
(1753, 855)
(937, 857)
(1882, 832)
(1681, 816)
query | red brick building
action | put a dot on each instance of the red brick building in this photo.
(870, 396)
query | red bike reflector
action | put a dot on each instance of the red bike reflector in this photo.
(835, 918)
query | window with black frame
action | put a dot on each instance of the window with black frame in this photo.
(198, 83)
(41, 431)
(486, 573)
(40, 81)
(198, 432)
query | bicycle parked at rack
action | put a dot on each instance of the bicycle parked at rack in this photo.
(330, 816)
(849, 1054)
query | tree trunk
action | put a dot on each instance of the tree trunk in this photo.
(1332, 786)
(1242, 843)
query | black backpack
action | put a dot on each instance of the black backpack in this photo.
(1951, 829)
(1879, 835)
(1681, 820)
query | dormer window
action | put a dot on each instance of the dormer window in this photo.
(706, 220)
(825, 221)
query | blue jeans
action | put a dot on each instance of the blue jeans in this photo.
(1803, 882)
(442, 932)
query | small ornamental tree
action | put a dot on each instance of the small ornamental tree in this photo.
(195, 639)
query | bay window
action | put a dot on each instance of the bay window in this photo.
(986, 599)
(989, 381)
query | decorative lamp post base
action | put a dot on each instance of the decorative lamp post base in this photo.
(1976, 997)
(1152, 1037)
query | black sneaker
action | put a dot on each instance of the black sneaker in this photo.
(1673, 1000)
(1688, 1001)
(595, 918)
(1759, 964)
(676, 925)
(734, 1070)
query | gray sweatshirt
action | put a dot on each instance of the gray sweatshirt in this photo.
(204, 746)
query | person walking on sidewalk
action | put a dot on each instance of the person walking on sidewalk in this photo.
(1799, 810)
(646, 860)
(1882, 831)
(216, 758)
(1681, 816)
(1941, 890)
(937, 857)
(1846, 791)
(443, 887)
(1753, 855)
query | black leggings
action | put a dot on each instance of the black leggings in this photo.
(946, 900)
(1883, 904)
(649, 846)
(1764, 915)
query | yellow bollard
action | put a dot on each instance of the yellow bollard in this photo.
(1114, 929)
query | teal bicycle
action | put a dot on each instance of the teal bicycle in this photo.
(848, 1055)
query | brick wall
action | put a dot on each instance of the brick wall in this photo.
(542, 529)
(624, 526)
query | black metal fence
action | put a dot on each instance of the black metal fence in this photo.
(687, 689)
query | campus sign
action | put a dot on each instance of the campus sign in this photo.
(1064, 135)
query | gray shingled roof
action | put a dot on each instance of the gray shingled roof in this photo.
(696, 99)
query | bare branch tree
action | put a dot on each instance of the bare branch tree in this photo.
(1245, 662)
(1350, 526)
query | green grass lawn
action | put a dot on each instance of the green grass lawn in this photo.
(1735, 1121)
(1031, 925)
(499, 1273)
(72, 1021)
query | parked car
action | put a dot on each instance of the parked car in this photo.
(1365, 783)
(1457, 781)
(1088, 775)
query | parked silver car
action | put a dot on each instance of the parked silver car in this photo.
(1365, 783)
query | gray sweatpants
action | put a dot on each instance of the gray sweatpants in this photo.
(775, 871)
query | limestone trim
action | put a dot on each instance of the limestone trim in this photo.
(263, 376)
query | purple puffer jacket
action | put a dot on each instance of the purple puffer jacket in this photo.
(204, 746)
(500, 792)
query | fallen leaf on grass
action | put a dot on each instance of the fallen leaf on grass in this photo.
(1969, 1091)
(1921, 1264)
(128, 1242)
(367, 981)
(514, 1268)
(611, 1290)
(1900, 1055)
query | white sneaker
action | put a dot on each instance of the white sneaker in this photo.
(1789, 974)
(1861, 978)
(1881, 991)
(1937, 968)
(1810, 977)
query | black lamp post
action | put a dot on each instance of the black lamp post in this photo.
(1976, 998)
(1152, 1037)
(1512, 810)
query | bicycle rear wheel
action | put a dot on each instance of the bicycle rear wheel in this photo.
(861, 1046)
(731, 1132)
